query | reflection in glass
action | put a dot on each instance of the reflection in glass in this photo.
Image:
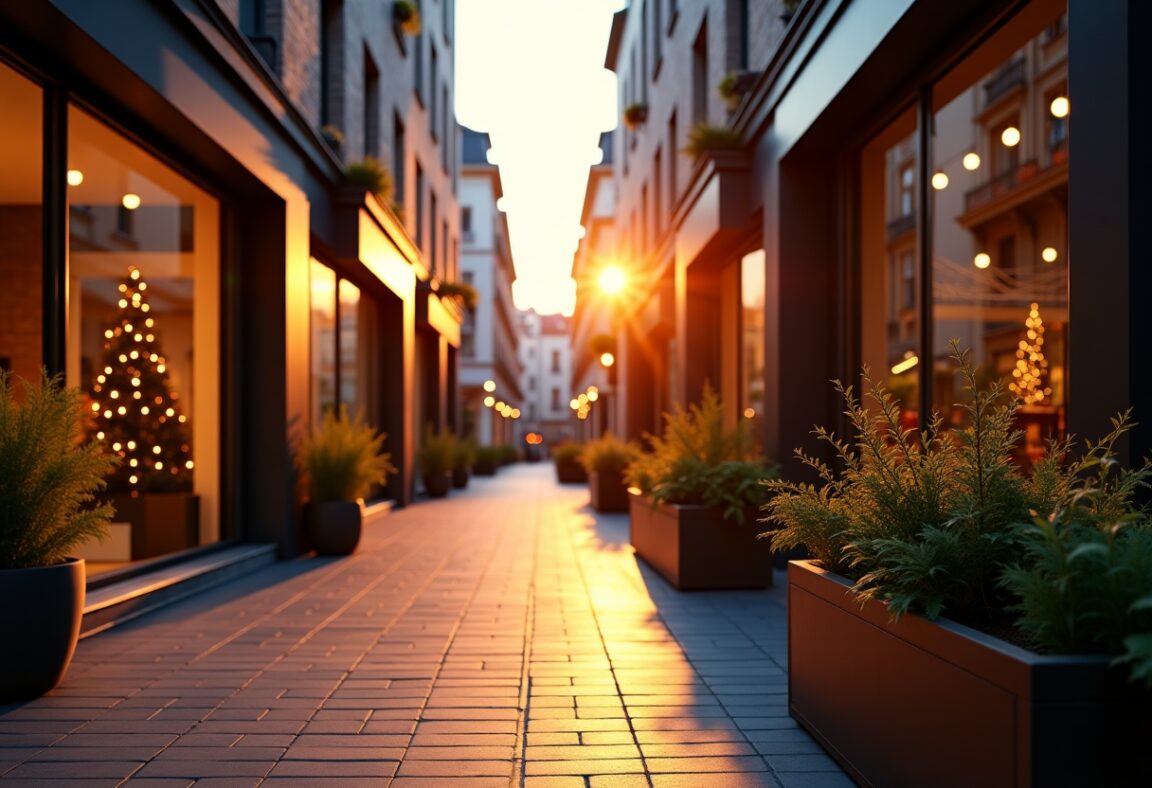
(752, 340)
(999, 231)
(323, 325)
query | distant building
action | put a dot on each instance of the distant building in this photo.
(490, 367)
(546, 354)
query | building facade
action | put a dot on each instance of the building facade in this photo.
(174, 174)
(873, 181)
(490, 365)
(546, 356)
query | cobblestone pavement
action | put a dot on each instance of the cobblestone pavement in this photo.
(504, 636)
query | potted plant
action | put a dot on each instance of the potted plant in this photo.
(695, 501)
(605, 460)
(1046, 582)
(487, 461)
(406, 17)
(462, 460)
(333, 136)
(703, 138)
(566, 456)
(509, 454)
(462, 291)
(47, 494)
(371, 176)
(788, 10)
(437, 456)
(635, 115)
(340, 460)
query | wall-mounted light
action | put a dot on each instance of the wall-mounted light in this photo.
(982, 260)
(1049, 254)
(971, 161)
(1010, 136)
(1060, 107)
(489, 385)
(574, 403)
(939, 180)
(130, 201)
(489, 401)
(607, 359)
(75, 177)
(749, 413)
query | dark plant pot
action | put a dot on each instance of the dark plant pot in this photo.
(484, 468)
(695, 548)
(437, 485)
(570, 472)
(460, 478)
(162, 522)
(333, 527)
(918, 702)
(608, 492)
(40, 617)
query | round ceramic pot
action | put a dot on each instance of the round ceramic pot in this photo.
(460, 478)
(333, 527)
(437, 485)
(40, 612)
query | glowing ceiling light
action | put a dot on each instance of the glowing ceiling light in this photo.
(971, 161)
(489, 385)
(1010, 136)
(982, 260)
(607, 359)
(939, 180)
(131, 202)
(75, 177)
(1060, 107)
(1049, 254)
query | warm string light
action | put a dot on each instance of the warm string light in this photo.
(1031, 364)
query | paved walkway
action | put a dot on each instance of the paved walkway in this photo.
(503, 637)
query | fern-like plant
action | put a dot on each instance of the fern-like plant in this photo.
(343, 458)
(567, 452)
(48, 480)
(371, 176)
(608, 455)
(464, 455)
(703, 138)
(437, 453)
(698, 461)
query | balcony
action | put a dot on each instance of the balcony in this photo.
(1007, 79)
(901, 226)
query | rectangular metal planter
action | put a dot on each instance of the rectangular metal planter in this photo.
(695, 548)
(608, 492)
(918, 702)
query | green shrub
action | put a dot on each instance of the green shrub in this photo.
(464, 455)
(703, 138)
(47, 480)
(566, 452)
(371, 176)
(406, 16)
(608, 455)
(437, 453)
(342, 458)
(698, 461)
(508, 454)
(488, 455)
(943, 522)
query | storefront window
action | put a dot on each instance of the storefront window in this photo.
(345, 355)
(999, 225)
(21, 216)
(323, 351)
(143, 340)
(752, 339)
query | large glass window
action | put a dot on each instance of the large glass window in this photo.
(752, 339)
(996, 253)
(999, 224)
(21, 212)
(143, 339)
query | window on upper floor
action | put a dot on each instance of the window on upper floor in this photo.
(433, 78)
(371, 106)
(419, 197)
(673, 146)
(331, 74)
(556, 398)
(531, 382)
(433, 228)
(555, 360)
(418, 66)
(657, 36)
(700, 86)
(466, 221)
(398, 161)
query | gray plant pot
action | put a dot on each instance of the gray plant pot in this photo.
(915, 702)
(333, 527)
(40, 612)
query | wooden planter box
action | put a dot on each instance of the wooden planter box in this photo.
(608, 492)
(695, 548)
(162, 522)
(919, 702)
(571, 472)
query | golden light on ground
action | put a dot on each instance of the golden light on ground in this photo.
(1060, 107)
(1049, 254)
(607, 359)
(1010, 136)
(982, 260)
(971, 161)
(939, 180)
(612, 280)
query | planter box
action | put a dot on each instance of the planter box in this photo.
(695, 548)
(162, 523)
(571, 472)
(608, 492)
(918, 702)
(484, 468)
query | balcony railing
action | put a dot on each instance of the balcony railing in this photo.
(1001, 184)
(1009, 77)
(901, 225)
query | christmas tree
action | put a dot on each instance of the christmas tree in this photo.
(1031, 365)
(135, 411)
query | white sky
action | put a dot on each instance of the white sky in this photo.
(531, 74)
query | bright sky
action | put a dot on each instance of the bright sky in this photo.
(531, 74)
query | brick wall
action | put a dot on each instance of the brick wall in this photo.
(20, 298)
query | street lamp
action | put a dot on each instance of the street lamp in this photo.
(612, 280)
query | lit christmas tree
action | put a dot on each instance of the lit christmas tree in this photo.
(1031, 365)
(134, 409)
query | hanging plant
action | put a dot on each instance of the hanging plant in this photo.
(734, 85)
(406, 16)
(635, 115)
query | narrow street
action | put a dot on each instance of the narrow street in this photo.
(503, 636)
